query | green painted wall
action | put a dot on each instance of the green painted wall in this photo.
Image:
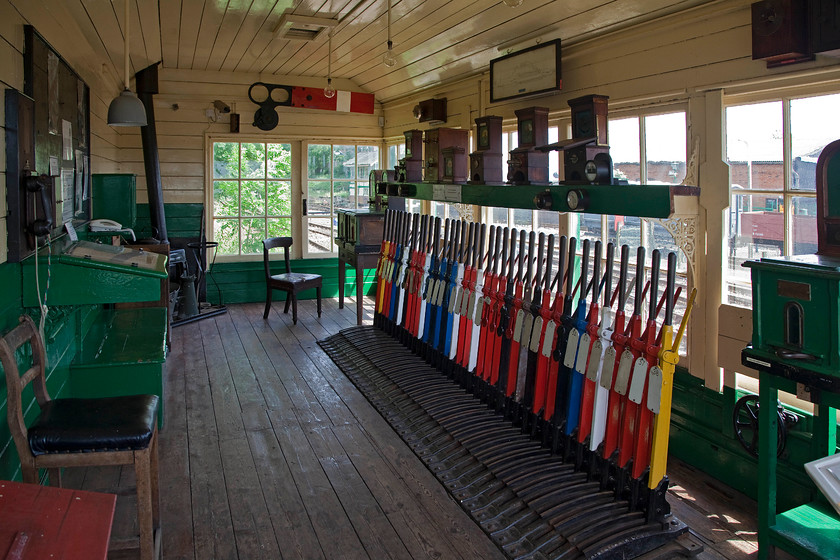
(61, 330)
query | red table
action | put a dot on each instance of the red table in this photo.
(39, 522)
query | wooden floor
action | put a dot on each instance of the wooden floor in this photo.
(268, 451)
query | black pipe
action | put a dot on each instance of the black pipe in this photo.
(147, 86)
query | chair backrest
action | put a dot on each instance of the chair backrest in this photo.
(273, 243)
(25, 333)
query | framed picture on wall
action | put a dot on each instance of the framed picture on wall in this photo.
(526, 72)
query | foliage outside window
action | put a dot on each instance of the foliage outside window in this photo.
(772, 150)
(251, 195)
(338, 178)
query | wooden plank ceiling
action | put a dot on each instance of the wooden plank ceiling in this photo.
(434, 41)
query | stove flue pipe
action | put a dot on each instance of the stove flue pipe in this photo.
(147, 87)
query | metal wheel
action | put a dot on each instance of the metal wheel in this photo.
(745, 424)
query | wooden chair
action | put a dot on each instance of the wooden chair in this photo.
(290, 282)
(81, 432)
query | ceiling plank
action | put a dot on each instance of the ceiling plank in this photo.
(170, 30)
(257, 21)
(149, 29)
(211, 20)
(191, 17)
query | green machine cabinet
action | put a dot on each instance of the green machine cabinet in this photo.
(122, 351)
(115, 197)
(796, 348)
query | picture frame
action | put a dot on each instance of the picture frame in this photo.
(527, 72)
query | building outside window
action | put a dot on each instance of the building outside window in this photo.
(252, 195)
(337, 178)
(772, 150)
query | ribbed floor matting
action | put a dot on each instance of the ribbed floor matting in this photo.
(526, 499)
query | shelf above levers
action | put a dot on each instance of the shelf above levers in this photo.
(646, 201)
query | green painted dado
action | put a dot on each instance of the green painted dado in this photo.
(243, 282)
(182, 220)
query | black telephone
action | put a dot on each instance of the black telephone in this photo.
(38, 187)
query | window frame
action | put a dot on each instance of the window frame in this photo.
(209, 217)
(305, 180)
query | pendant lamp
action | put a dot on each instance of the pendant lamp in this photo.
(329, 91)
(388, 58)
(126, 109)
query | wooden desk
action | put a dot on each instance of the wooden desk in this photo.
(360, 262)
(38, 522)
(359, 240)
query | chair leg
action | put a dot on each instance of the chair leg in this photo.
(145, 507)
(29, 474)
(294, 309)
(267, 303)
(155, 481)
(55, 477)
(289, 296)
(318, 294)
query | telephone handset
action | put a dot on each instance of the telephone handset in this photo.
(39, 185)
(105, 225)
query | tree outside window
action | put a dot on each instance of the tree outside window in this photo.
(251, 195)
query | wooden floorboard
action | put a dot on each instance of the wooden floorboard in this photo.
(269, 451)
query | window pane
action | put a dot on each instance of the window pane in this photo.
(344, 195)
(320, 235)
(660, 238)
(280, 161)
(253, 198)
(754, 146)
(225, 198)
(624, 230)
(498, 216)
(280, 228)
(367, 160)
(319, 197)
(804, 239)
(589, 227)
(279, 198)
(549, 222)
(344, 162)
(252, 160)
(225, 160)
(438, 209)
(755, 229)
(523, 219)
(624, 149)
(319, 160)
(226, 234)
(665, 148)
(453, 212)
(253, 232)
(814, 122)
(414, 205)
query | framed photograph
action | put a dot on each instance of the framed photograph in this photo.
(527, 72)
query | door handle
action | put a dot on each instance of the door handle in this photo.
(304, 211)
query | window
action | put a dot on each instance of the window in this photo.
(520, 218)
(660, 142)
(251, 195)
(337, 178)
(772, 150)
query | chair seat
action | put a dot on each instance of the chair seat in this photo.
(90, 425)
(295, 277)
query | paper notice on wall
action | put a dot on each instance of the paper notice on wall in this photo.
(68, 184)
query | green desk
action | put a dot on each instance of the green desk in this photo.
(810, 531)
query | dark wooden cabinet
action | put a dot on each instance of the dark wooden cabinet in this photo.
(359, 239)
